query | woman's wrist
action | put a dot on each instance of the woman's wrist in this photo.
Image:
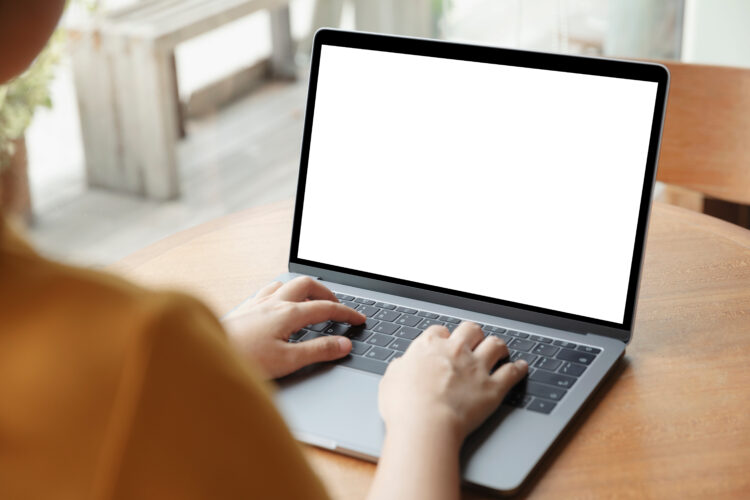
(443, 425)
(420, 457)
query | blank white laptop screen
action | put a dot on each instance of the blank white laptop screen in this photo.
(512, 183)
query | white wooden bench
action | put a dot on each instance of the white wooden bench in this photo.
(126, 82)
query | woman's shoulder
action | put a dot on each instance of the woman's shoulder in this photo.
(32, 286)
(106, 375)
(89, 321)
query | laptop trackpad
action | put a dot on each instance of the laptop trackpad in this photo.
(334, 407)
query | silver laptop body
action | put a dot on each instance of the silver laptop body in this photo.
(547, 163)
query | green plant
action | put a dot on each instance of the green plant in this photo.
(20, 98)
(439, 10)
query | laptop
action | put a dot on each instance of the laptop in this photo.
(442, 182)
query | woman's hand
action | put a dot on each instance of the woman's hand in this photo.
(279, 310)
(445, 380)
(431, 399)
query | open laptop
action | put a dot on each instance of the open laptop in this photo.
(442, 182)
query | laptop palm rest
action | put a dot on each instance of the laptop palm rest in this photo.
(334, 408)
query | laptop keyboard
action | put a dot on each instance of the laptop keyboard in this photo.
(554, 365)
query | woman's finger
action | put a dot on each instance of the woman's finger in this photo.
(317, 311)
(303, 288)
(468, 334)
(435, 331)
(490, 351)
(509, 375)
(326, 348)
(269, 289)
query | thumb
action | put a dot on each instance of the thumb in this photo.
(321, 349)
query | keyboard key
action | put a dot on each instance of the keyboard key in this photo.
(426, 323)
(378, 353)
(318, 327)
(565, 344)
(426, 314)
(407, 310)
(591, 350)
(351, 304)
(553, 379)
(364, 364)
(385, 305)
(359, 334)
(449, 319)
(497, 329)
(408, 320)
(311, 335)
(365, 301)
(517, 399)
(548, 364)
(380, 340)
(522, 345)
(338, 329)
(502, 337)
(520, 335)
(539, 338)
(359, 348)
(451, 326)
(406, 332)
(369, 324)
(386, 328)
(572, 369)
(528, 357)
(386, 315)
(545, 350)
(583, 358)
(342, 296)
(298, 334)
(396, 355)
(368, 311)
(544, 391)
(541, 406)
(354, 331)
(400, 344)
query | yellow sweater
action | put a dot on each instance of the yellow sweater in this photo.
(108, 390)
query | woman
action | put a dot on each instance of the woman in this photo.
(113, 391)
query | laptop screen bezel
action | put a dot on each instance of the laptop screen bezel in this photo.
(488, 305)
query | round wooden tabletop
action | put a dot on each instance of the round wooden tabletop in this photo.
(673, 421)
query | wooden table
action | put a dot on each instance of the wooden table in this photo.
(673, 422)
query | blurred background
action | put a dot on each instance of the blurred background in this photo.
(147, 117)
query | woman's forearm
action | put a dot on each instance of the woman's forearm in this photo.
(419, 460)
